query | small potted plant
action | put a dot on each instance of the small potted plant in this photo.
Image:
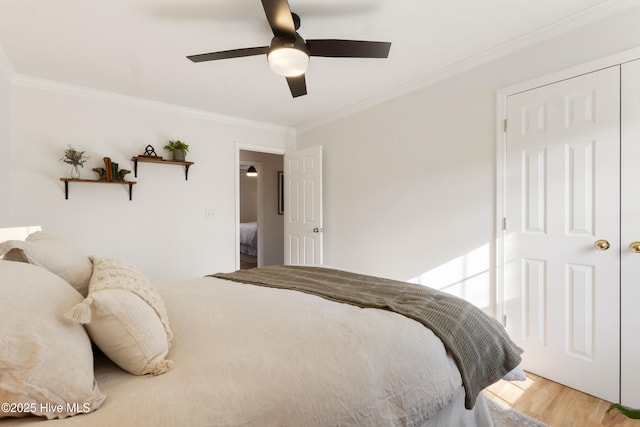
(74, 158)
(178, 149)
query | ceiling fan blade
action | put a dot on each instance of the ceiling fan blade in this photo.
(348, 48)
(279, 16)
(297, 85)
(225, 54)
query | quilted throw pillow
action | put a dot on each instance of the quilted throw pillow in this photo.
(125, 317)
(46, 361)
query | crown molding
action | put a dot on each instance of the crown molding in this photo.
(600, 11)
(80, 91)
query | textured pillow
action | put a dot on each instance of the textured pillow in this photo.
(54, 254)
(46, 361)
(126, 317)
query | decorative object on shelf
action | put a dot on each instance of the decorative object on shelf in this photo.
(108, 169)
(146, 159)
(102, 174)
(75, 172)
(149, 151)
(280, 193)
(74, 158)
(178, 149)
(112, 171)
(121, 174)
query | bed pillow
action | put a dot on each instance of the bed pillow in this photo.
(126, 317)
(46, 361)
(54, 254)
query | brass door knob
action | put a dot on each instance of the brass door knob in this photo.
(635, 247)
(603, 245)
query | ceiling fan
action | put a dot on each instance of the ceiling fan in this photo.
(288, 55)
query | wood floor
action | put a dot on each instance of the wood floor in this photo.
(555, 404)
(247, 262)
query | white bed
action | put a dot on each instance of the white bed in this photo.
(249, 238)
(246, 355)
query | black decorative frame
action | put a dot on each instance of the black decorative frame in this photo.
(280, 193)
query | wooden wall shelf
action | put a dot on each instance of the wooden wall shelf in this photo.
(95, 181)
(143, 159)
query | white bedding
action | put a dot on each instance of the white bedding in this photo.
(249, 238)
(253, 356)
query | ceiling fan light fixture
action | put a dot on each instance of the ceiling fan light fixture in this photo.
(288, 58)
(288, 61)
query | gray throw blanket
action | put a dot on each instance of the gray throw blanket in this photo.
(479, 344)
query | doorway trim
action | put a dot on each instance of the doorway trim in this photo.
(259, 149)
(619, 58)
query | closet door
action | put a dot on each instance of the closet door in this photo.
(630, 237)
(562, 233)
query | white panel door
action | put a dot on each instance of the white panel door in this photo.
(630, 217)
(303, 207)
(562, 292)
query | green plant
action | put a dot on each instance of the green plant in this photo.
(74, 157)
(626, 411)
(177, 145)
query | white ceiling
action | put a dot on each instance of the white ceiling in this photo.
(138, 47)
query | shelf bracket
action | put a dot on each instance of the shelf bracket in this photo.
(186, 172)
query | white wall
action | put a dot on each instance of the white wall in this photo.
(163, 230)
(5, 160)
(423, 167)
(248, 198)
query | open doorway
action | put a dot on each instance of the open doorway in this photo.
(249, 213)
(260, 221)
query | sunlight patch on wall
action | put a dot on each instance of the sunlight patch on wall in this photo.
(18, 233)
(466, 276)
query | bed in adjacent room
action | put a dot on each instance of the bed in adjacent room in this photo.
(249, 244)
(273, 346)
